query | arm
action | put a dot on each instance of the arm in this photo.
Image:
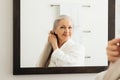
(113, 52)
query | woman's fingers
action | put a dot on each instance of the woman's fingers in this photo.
(113, 50)
(114, 41)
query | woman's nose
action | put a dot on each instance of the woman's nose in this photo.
(66, 30)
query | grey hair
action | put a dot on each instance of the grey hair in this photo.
(59, 18)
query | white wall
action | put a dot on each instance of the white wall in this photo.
(6, 51)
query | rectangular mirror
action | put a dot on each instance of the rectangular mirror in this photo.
(117, 19)
(94, 25)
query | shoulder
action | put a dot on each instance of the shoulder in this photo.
(73, 45)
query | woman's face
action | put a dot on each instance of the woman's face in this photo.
(64, 30)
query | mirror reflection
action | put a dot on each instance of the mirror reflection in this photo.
(61, 50)
(79, 38)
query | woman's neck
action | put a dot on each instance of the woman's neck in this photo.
(61, 43)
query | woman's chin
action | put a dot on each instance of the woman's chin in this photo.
(66, 39)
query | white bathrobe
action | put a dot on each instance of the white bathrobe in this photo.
(112, 73)
(70, 54)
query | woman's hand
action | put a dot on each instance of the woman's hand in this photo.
(53, 40)
(113, 50)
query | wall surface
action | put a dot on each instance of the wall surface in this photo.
(6, 51)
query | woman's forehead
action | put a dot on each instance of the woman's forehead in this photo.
(65, 21)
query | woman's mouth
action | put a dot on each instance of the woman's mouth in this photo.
(66, 35)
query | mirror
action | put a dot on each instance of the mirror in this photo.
(93, 27)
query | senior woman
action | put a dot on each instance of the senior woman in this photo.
(64, 51)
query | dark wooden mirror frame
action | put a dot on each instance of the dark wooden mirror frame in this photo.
(17, 70)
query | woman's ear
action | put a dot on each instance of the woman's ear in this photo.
(54, 31)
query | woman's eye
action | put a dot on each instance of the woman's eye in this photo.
(62, 27)
(70, 27)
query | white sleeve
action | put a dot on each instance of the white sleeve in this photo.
(100, 76)
(73, 57)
